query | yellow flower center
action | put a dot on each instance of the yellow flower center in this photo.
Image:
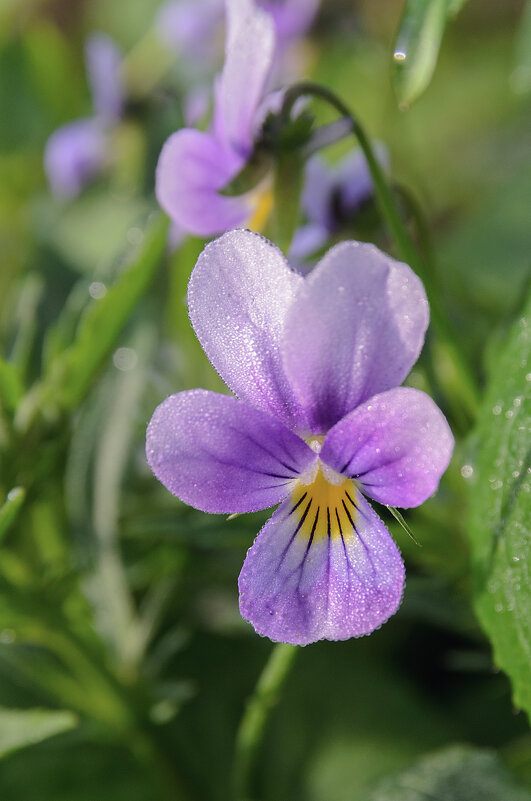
(324, 505)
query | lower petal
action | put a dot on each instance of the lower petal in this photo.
(323, 567)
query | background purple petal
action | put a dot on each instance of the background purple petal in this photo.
(220, 455)
(238, 296)
(337, 588)
(355, 328)
(398, 443)
(248, 60)
(104, 70)
(190, 25)
(292, 18)
(192, 167)
(74, 154)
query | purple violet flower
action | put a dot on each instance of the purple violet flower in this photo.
(195, 165)
(292, 18)
(319, 421)
(79, 150)
(332, 195)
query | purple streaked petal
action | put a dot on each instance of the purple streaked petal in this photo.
(343, 582)
(192, 167)
(354, 179)
(104, 66)
(292, 18)
(355, 329)
(397, 444)
(74, 154)
(238, 296)
(307, 240)
(219, 455)
(318, 191)
(248, 60)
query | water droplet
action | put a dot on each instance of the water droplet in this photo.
(496, 409)
(125, 359)
(7, 636)
(509, 413)
(467, 471)
(97, 290)
(399, 55)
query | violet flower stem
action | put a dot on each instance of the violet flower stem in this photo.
(404, 244)
(254, 719)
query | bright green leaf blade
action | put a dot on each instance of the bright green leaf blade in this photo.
(500, 511)
(10, 509)
(11, 389)
(70, 375)
(417, 47)
(20, 728)
(457, 773)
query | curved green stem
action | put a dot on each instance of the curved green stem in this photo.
(254, 719)
(463, 374)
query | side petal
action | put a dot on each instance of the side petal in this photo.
(317, 573)
(220, 455)
(192, 167)
(74, 154)
(355, 329)
(104, 70)
(238, 296)
(397, 445)
(249, 56)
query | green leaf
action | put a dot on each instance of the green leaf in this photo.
(417, 45)
(11, 389)
(10, 509)
(70, 374)
(458, 773)
(22, 727)
(500, 511)
(521, 76)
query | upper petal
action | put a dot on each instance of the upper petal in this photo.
(104, 69)
(397, 445)
(238, 296)
(192, 167)
(291, 17)
(220, 455)
(249, 56)
(323, 567)
(355, 328)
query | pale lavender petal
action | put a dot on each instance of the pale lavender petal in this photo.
(190, 26)
(248, 60)
(74, 154)
(220, 455)
(238, 296)
(292, 18)
(355, 328)
(396, 445)
(339, 576)
(192, 167)
(104, 70)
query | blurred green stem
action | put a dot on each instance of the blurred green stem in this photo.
(253, 722)
(465, 384)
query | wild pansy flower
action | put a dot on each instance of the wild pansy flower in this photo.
(77, 151)
(332, 197)
(194, 166)
(319, 421)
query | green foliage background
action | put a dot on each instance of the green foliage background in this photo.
(124, 665)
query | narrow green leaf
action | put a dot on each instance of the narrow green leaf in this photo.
(400, 519)
(10, 509)
(417, 46)
(458, 773)
(11, 389)
(500, 511)
(20, 728)
(70, 374)
(521, 75)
